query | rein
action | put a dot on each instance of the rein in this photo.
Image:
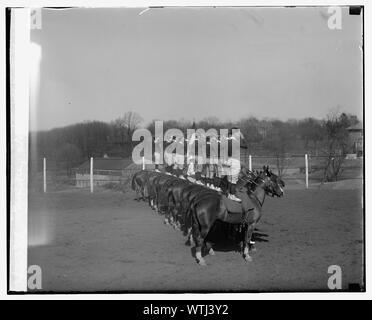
(245, 180)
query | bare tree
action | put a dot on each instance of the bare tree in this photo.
(250, 130)
(209, 122)
(311, 130)
(127, 124)
(277, 142)
(336, 144)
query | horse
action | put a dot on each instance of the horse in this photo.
(164, 203)
(150, 188)
(186, 200)
(206, 210)
(139, 181)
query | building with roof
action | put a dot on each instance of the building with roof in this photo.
(105, 170)
(356, 138)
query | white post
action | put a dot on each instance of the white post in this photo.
(91, 175)
(143, 163)
(44, 175)
(250, 163)
(306, 171)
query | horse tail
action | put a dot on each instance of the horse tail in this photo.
(188, 216)
(191, 213)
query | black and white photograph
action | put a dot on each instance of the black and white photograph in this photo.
(209, 149)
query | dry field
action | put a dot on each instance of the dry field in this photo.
(107, 241)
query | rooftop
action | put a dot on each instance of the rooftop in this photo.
(358, 126)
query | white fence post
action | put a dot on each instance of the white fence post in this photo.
(250, 163)
(306, 171)
(44, 175)
(91, 175)
(143, 163)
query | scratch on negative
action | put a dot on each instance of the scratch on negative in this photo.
(143, 11)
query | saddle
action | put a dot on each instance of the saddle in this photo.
(234, 207)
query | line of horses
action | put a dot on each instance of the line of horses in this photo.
(194, 208)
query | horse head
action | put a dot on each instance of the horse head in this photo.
(272, 183)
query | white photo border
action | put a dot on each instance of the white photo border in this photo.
(21, 99)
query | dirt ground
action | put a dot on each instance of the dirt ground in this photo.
(107, 241)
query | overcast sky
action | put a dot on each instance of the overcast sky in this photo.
(174, 63)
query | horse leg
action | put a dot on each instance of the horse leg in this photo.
(157, 204)
(154, 205)
(210, 250)
(252, 247)
(169, 214)
(199, 241)
(173, 212)
(247, 240)
(167, 220)
(176, 223)
(190, 239)
(136, 190)
(178, 217)
(171, 219)
(142, 193)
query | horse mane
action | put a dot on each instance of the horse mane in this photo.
(248, 179)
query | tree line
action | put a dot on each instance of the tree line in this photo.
(70, 145)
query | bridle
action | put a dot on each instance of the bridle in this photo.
(246, 179)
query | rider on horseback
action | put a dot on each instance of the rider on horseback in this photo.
(157, 154)
(233, 164)
(179, 157)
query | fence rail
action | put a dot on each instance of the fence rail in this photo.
(301, 169)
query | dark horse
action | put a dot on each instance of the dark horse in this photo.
(206, 210)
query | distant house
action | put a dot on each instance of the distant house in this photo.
(356, 139)
(104, 170)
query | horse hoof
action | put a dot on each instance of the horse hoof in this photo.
(166, 222)
(248, 258)
(253, 249)
(211, 252)
(202, 263)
